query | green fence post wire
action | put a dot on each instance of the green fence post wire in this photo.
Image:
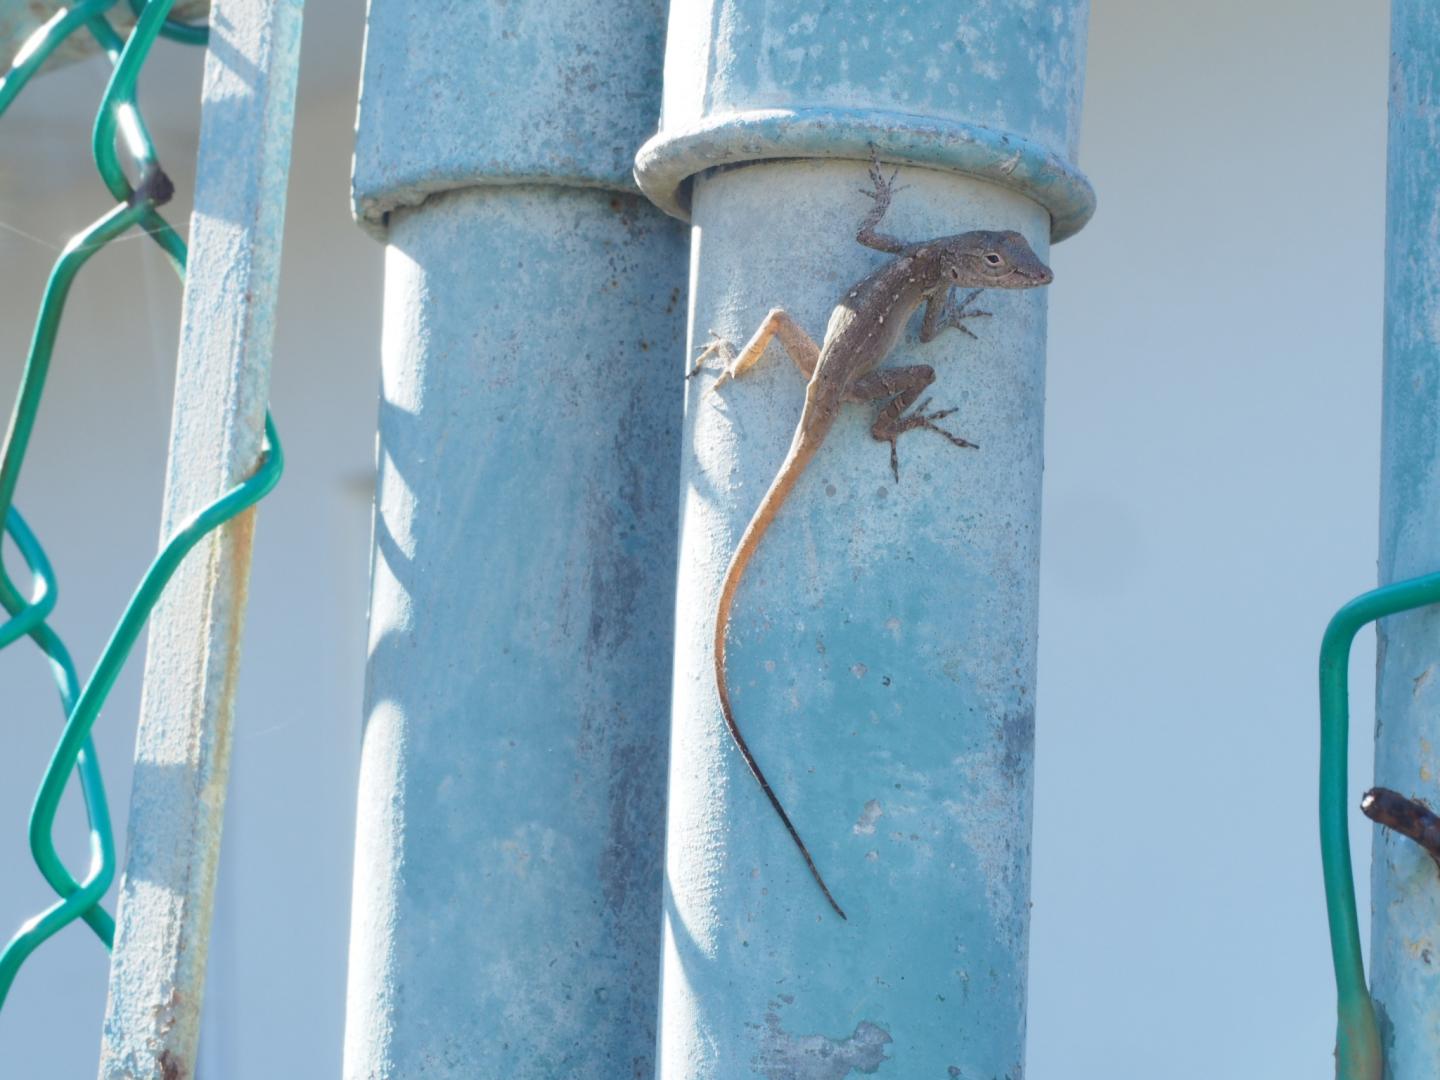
(31, 613)
(29, 616)
(1358, 1055)
(37, 50)
(77, 729)
(176, 30)
(32, 386)
(28, 619)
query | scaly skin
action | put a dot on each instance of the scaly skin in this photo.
(864, 327)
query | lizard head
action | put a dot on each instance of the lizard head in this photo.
(993, 260)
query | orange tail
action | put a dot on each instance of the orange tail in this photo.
(802, 449)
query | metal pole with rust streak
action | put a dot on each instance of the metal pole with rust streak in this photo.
(182, 750)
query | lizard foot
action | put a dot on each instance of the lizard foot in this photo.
(716, 346)
(885, 189)
(918, 419)
(956, 313)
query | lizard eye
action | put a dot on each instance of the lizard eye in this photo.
(992, 259)
(955, 273)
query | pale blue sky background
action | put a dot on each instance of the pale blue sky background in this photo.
(1210, 499)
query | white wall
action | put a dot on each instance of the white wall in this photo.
(1210, 499)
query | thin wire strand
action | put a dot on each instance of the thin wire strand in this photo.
(31, 237)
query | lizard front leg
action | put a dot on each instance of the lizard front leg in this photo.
(942, 311)
(799, 345)
(884, 191)
(902, 386)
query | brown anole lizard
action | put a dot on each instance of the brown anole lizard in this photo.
(864, 326)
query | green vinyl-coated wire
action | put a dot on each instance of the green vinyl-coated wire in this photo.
(1358, 1054)
(37, 365)
(77, 729)
(175, 30)
(42, 601)
(37, 50)
(82, 706)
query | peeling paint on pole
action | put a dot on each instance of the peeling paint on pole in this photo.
(882, 650)
(1405, 887)
(511, 806)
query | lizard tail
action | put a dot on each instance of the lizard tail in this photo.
(800, 453)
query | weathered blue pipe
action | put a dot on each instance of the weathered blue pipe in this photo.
(507, 882)
(882, 653)
(1405, 885)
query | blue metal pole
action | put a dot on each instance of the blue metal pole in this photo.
(882, 651)
(511, 805)
(1405, 887)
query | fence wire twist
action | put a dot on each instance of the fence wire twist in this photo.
(137, 207)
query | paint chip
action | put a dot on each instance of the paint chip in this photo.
(865, 823)
(785, 1056)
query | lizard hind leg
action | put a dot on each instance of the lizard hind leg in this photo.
(902, 386)
(799, 345)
